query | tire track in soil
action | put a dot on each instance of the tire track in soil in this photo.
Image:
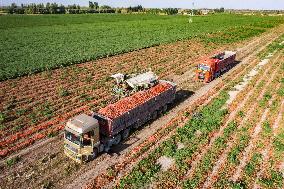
(255, 52)
(223, 157)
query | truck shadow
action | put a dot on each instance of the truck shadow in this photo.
(181, 96)
(233, 65)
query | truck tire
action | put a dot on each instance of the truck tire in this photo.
(94, 155)
(125, 133)
(136, 125)
(117, 139)
(165, 108)
(154, 115)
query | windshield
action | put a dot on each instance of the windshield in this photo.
(204, 67)
(72, 137)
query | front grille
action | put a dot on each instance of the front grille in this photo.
(71, 148)
(201, 76)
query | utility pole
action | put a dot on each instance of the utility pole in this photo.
(191, 16)
(192, 9)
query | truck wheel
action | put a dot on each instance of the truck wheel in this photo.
(117, 139)
(125, 133)
(165, 108)
(94, 155)
(154, 115)
(136, 125)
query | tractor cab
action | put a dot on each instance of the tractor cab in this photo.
(81, 138)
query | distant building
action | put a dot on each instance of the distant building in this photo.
(205, 11)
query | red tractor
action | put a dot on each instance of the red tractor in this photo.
(215, 66)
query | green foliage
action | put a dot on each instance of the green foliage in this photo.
(274, 46)
(32, 44)
(278, 142)
(12, 161)
(142, 173)
(263, 102)
(238, 185)
(209, 118)
(250, 168)
(267, 130)
(280, 91)
(63, 92)
(242, 142)
(275, 180)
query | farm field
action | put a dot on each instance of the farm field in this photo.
(37, 106)
(235, 141)
(222, 134)
(31, 44)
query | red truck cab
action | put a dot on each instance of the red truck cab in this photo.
(214, 66)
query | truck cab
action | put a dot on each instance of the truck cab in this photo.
(82, 138)
(204, 71)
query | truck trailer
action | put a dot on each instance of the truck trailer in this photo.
(86, 136)
(214, 66)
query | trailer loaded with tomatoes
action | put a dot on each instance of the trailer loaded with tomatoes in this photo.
(86, 136)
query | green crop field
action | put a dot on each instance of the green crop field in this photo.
(31, 44)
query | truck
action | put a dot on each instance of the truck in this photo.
(86, 136)
(214, 66)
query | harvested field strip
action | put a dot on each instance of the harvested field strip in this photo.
(99, 181)
(55, 101)
(198, 155)
(196, 164)
(208, 160)
(230, 79)
(252, 106)
(191, 143)
(233, 150)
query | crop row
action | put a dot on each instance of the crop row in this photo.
(35, 51)
(248, 118)
(24, 110)
(199, 154)
(171, 146)
(142, 150)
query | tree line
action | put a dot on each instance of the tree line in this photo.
(94, 7)
(54, 8)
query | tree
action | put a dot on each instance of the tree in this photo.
(91, 5)
(96, 5)
(48, 8)
(171, 11)
(12, 8)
